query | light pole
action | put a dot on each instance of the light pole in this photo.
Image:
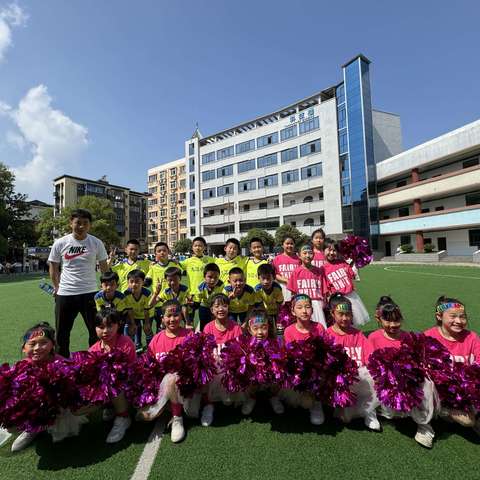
(24, 256)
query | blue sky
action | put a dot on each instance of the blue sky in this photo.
(114, 87)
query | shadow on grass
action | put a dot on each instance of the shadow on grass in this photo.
(22, 277)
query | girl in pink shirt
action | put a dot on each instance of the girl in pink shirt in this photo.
(309, 280)
(339, 277)
(222, 329)
(317, 239)
(284, 264)
(357, 347)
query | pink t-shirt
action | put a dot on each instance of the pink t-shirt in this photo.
(339, 277)
(161, 343)
(318, 258)
(309, 281)
(291, 333)
(378, 340)
(355, 344)
(232, 331)
(465, 350)
(284, 265)
(122, 343)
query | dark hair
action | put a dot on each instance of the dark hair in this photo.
(236, 271)
(133, 241)
(444, 299)
(45, 327)
(272, 330)
(388, 310)
(255, 239)
(288, 236)
(108, 315)
(109, 276)
(161, 244)
(384, 299)
(266, 269)
(172, 271)
(234, 241)
(211, 267)
(318, 230)
(170, 303)
(137, 273)
(337, 299)
(81, 213)
(221, 297)
(199, 239)
(330, 242)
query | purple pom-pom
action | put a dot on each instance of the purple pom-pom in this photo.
(285, 317)
(356, 249)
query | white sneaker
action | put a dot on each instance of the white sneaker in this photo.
(317, 417)
(4, 436)
(178, 432)
(23, 441)
(248, 406)
(277, 405)
(424, 435)
(108, 414)
(207, 415)
(120, 426)
(371, 422)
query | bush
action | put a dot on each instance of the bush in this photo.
(407, 248)
(428, 248)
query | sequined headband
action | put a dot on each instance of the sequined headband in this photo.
(257, 320)
(34, 334)
(343, 307)
(301, 296)
(306, 247)
(443, 307)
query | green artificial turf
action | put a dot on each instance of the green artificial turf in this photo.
(263, 447)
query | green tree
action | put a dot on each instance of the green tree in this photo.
(183, 246)
(267, 239)
(50, 226)
(288, 230)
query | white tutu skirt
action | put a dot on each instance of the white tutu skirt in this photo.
(217, 393)
(66, 425)
(360, 313)
(296, 399)
(318, 315)
(287, 294)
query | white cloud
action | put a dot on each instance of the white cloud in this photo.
(53, 138)
(15, 140)
(10, 16)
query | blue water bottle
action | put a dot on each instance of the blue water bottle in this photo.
(46, 287)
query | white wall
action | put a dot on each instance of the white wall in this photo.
(387, 135)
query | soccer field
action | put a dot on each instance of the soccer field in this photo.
(261, 446)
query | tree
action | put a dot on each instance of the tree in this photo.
(49, 226)
(267, 239)
(183, 246)
(288, 230)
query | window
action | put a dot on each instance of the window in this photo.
(438, 209)
(192, 215)
(245, 166)
(225, 171)
(342, 142)
(191, 148)
(308, 125)
(471, 162)
(472, 198)
(152, 201)
(290, 154)
(276, 203)
(314, 170)
(152, 178)
(173, 184)
(308, 222)
(401, 183)
(292, 202)
(208, 193)
(246, 208)
(404, 212)
(267, 160)
(320, 195)
(342, 117)
(293, 224)
(246, 186)
(152, 189)
(268, 181)
(288, 132)
(425, 210)
(474, 238)
(225, 152)
(192, 182)
(267, 140)
(309, 148)
(245, 146)
(405, 240)
(308, 199)
(225, 190)
(183, 183)
(191, 164)
(181, 170)
(340, 94)
(173, 171)
(208, 175)
(263, 205)
(208, 157)
(290, 176)
(192, 198)
(322, 218)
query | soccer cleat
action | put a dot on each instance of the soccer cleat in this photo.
(108, 414)
(23, 441)
(424, 435)
(178, 432)
(317, 417)
(207, 415)
(120, 426)
(248, 406)
(277, 405)
(372, 423)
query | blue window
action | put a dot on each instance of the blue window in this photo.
(267, 140)
(225, 190)
(267, 160)
(246, 186)
(341, 94)
(191, 163)
(310, 148)
(225, 152)
(245, 146)
(290, 154)
(342, 117)
(308, 125)
(342, 142)
(246, 166)
(289, 176)
(288, 132)
(311, 171)
(225, 171)
(208, 193)
(268, 181)
(208, 175)
(192, 215)
(192, 182)
(208, 157)
(192, 198)
(191, 148)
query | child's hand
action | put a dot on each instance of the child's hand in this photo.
(147, 328)
(189, 326)
(231, 294)
(158, 288)
(132, 328)
(190, 300)
(112, 254)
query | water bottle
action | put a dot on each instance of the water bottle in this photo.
(46, 287)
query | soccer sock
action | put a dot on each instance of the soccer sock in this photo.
(176, 409)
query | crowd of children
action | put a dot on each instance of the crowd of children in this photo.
(236, 295)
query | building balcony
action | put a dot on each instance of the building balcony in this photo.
(259, 213)
(302, 208)
(217, 238)
(218, 219)
(453, 218)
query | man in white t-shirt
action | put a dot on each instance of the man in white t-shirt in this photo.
(75, 288)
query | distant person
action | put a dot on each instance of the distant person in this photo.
(75, 288)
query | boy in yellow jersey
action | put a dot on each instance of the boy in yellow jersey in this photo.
(269, 292)
(210, 286)
(174, 291)
(242, 297)
(109, 296)
(128, 264)
(137, 302)
(257, 259)
(232, 259)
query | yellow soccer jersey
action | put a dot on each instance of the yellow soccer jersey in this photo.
(251, 271)
(169, 294)
(138, 306)
(123, 268)
(117, 302)
(157, 273)
(203, 294)
(272, 300)
(226, 265)
(249, 298)
(194, 266)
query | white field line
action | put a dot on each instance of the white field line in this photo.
(394, 269)
(145, 462)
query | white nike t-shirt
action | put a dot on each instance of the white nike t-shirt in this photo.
(78, 259)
